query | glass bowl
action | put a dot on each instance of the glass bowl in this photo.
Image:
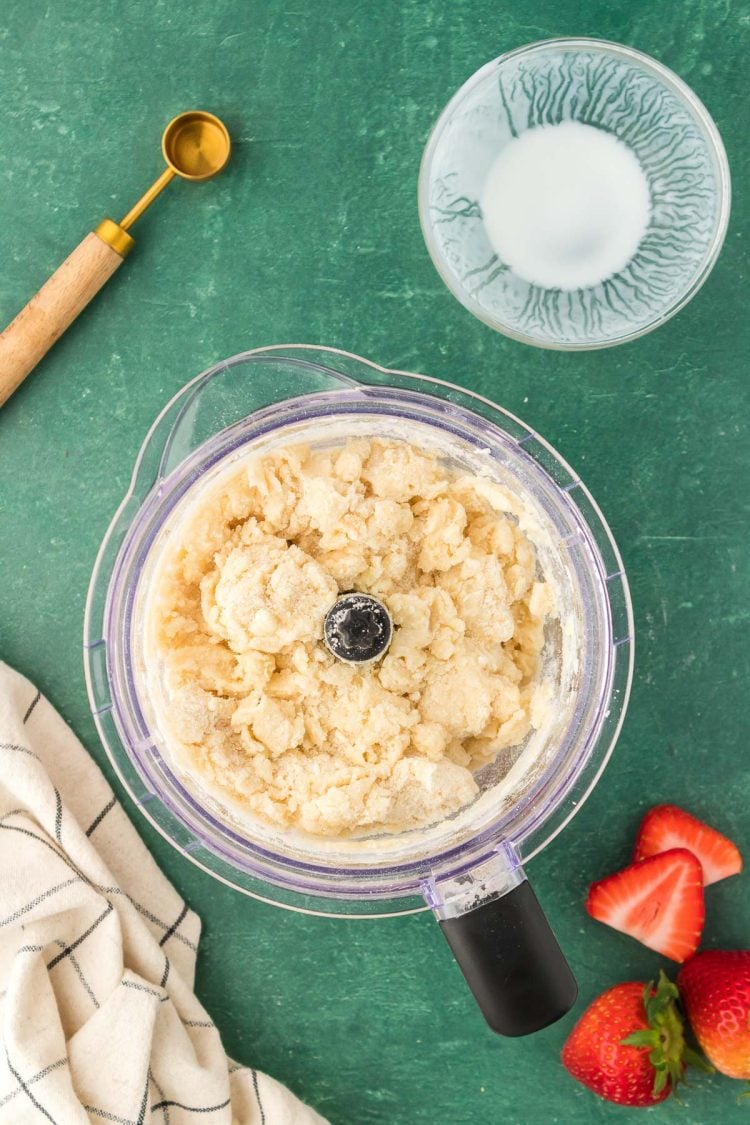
(613, 88)
(253, 402)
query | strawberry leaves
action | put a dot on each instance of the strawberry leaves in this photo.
(669, 1054)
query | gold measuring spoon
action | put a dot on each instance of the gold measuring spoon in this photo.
(196, 146)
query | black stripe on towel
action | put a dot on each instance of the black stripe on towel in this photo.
(86, 986)
(26, 1090)
(32, 1081)
(144, 1101)
(144, 988)
(174, 925)
(151, 917)
(192, 1108)
(82, 937)
(257, 1096)
(35, 901)
(18, 749)
(100, 816)
(58, 816)
(32, 705)
(160, 1092)
(109, 1116)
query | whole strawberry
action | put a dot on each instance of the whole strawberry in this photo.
(715, 988)
(628, 1046)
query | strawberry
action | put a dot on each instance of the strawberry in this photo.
(658, 901)
(667, 826)
(715, 987)
(628, 1046)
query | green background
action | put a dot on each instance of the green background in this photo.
(312, 236)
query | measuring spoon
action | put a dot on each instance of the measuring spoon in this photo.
(196, 146)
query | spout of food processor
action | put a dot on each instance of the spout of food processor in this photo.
(504, 944)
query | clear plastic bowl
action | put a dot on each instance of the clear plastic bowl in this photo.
(275, 395)
(627, 94)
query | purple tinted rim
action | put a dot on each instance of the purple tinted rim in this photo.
(229, 441)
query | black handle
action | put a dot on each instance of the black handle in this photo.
(512, 962)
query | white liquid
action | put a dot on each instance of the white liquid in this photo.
(566, 206)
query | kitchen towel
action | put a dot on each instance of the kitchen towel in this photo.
(98, 1018)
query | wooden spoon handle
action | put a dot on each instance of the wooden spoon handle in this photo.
(50, 311)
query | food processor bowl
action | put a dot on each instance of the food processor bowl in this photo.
(468, 868)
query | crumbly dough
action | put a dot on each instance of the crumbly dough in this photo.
(259, 709)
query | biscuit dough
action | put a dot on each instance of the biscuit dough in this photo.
(255, 706)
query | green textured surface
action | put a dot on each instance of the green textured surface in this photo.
(312, 235)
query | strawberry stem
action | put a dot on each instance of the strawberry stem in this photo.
(669, 1054)
(692, 1058)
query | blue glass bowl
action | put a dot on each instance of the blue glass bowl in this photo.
(610, 87)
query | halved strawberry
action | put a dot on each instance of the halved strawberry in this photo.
(667, 826)
(658, 901)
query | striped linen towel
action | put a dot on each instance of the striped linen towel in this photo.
(98, 1018)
